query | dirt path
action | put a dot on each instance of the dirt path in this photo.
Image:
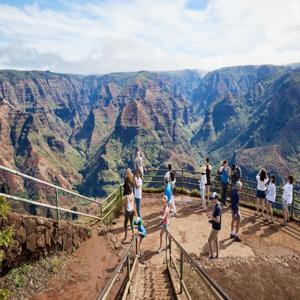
(90, 268)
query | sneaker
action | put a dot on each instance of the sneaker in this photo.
(158, 251)
(211, 257)
(232, 236)
(237, 239)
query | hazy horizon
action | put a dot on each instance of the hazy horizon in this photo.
(202, 72)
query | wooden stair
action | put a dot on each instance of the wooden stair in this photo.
(151, 282)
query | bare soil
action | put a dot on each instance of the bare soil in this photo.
(91, 267)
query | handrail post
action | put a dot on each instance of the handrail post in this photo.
(57, 205)
(293, 202)
(167, 247)
(128, 270)
(101, 210)
(181, 271)
(170, 251)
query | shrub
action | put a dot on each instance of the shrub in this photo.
(6, 233)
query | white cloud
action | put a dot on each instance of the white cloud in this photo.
(110, 36)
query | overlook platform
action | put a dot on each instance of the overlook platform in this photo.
(265, 265)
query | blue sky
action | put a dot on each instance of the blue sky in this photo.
(127, 35)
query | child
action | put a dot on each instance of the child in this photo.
(287, 199)
(203, 181)
(270, 199)
(141, 233)
(165, 220)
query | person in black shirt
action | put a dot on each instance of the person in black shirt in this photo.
(235, 211)
(208, 179)
(236, 174)
(216, 217)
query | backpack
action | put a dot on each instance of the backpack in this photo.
(237, 174)
(224, 176)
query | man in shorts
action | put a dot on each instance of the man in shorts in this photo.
(216, 217)
(235, 211)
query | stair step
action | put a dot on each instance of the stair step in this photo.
(152, 283)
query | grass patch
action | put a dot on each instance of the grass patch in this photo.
(18, 275)
(29, 280)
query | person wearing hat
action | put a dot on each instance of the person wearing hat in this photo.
(202, 183)
(235, 211)
(141, 233)
(216, 218)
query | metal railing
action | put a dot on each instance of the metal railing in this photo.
(186, 261)
(121, 288)
(188, 182)
(105, 209)
(112, 204)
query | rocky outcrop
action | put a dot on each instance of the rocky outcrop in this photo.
(35, 237)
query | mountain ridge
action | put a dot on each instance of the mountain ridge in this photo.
(82, 130)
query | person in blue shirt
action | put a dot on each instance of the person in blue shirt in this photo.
(141, 233)
(216, 218)
(235, 211)
(168, 193)
(224, 172)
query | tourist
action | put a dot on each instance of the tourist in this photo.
(128, 201)
(172, 183)
(208, 179)
(138, 191)
(165, 220)
(270, 199)
(236, 174)
(216, 218)
(139, 163)
(235, 211)
(287, 199)
(168, 192)
(167, 175)
(141, 233)
(224, 171)
(202, 183)
(262, 180)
